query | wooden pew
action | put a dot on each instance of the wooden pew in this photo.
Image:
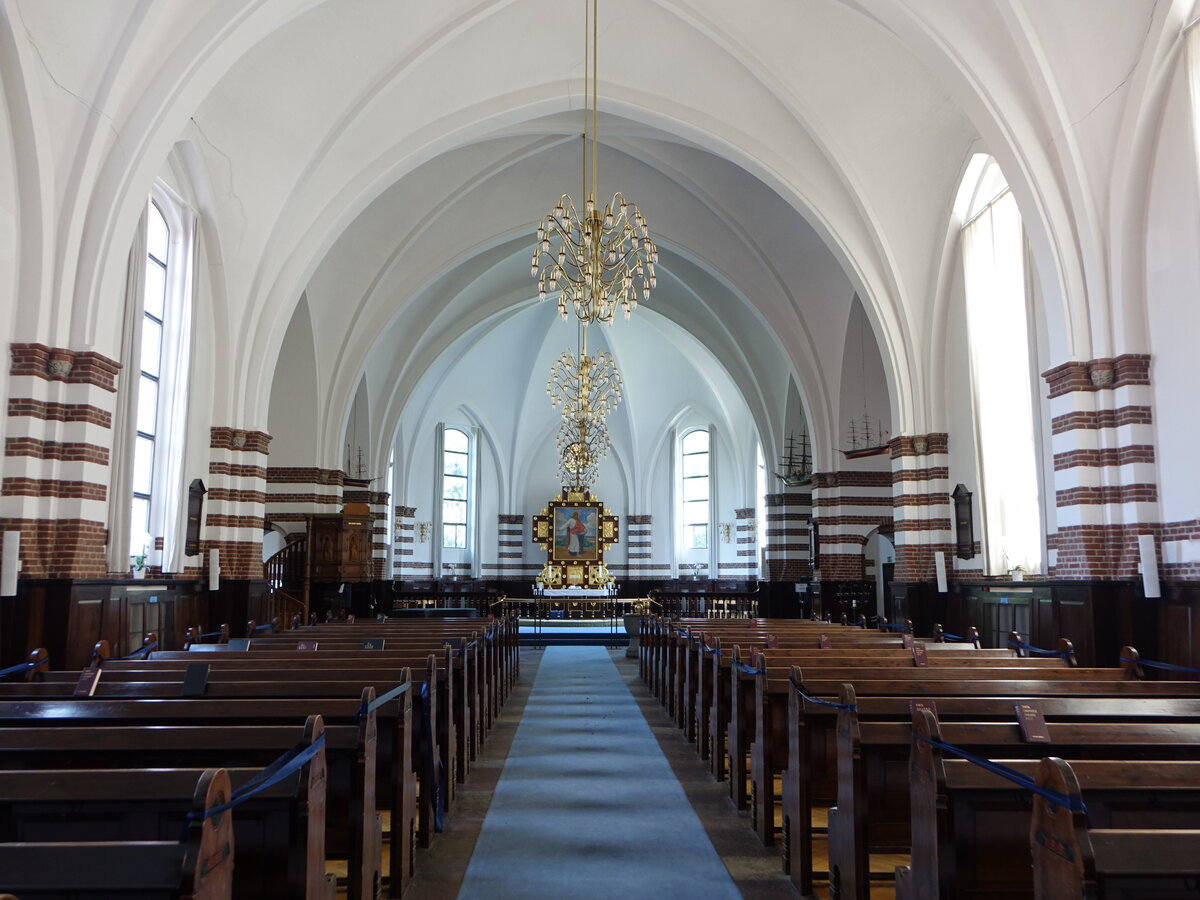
(1072, 860)
(352, 824)
(760, 694)
(969, 825)
(873, 801)
(395, 784)
(809, 781)
(316, 673)
(198, 868)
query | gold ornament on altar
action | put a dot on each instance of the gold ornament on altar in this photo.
(575, 529)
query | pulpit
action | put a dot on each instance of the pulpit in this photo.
(339, 545)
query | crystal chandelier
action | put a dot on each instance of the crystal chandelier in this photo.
(602, 258)
(587, 388)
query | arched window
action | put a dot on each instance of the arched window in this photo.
(994, 270)
(760, 506)
(694, 490)
(154, 299)
(159, 354)
(456, 468)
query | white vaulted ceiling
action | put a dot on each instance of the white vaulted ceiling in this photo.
(383, 163)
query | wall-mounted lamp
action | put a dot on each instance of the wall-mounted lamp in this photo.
(725, 529)
(424, 530)
(752, 526)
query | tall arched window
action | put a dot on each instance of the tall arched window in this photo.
(159, 354)
(154, 298)
(694, 489)
(456, 468)
(998, 334)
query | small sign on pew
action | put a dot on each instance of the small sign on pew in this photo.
(1032, 723)
(195, 680)
(920, 654)
(372, 643)
(823, 641)
(906, 641)
(914, 705)
(306, 645)
(88, 679)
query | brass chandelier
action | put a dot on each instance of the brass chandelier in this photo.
(588, 388)
(602, 258)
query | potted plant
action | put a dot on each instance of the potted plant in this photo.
(1017, 573)
(138, 564)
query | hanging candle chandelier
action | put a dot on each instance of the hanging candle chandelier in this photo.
(600, 259)
(587, 388)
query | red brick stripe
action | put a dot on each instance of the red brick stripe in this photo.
(1104, 418)
(1109, 456)
(59, 412)
(234, 470)
(53, 487)
(63, 450)
(1097, 496)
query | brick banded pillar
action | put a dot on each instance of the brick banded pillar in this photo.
(405, 565)
(921, 507)
(639, 546)
(510, 545)
(57, 455)
(786, 544)
(847, 506)
(235, 506)
(746, 541)
(295, 493)
(1105, 475)
(380, 545)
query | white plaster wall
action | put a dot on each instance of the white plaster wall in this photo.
(1172, 307)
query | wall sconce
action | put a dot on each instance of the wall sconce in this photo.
(752, 526)
(725, 529)
(424, 530)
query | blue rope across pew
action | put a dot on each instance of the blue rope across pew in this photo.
(712, 651)
(288, 764)
(19, 667)
(1074, 804)
(140, 650)
(209, 634)
(747, 669)
(893, 626)
(433, 762)
(1169, 667)
(1037, 651)
(385, 698)
(258, 628)
(953, 638)
(817, 700)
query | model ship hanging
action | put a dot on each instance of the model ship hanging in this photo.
(865, 437)
(796, 462)
(360, 478)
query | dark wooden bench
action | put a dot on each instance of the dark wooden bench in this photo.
(200, 867)
(809, 781)
(395, 783)
(1072, 861)
(873, 799)
(352, 824)
(969, 825)
(760, 697)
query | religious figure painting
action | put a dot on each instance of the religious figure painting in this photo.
(575, 533)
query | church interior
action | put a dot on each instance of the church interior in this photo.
(899, 330)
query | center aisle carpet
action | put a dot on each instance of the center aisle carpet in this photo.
(587, 806)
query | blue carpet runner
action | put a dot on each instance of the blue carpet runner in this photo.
(587, 805)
